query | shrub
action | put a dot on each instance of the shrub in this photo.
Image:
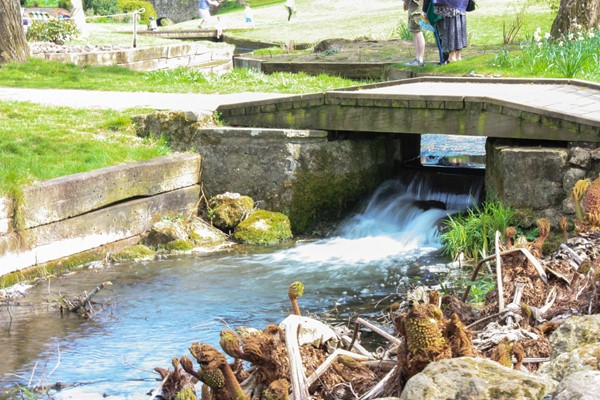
(66, 4)
(101, 7)
(53, 30)
(133, 5)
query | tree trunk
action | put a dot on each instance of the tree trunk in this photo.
(575, 15)
(13, 46)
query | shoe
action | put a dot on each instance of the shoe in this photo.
(415, 62)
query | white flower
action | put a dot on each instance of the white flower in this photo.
(547, 35)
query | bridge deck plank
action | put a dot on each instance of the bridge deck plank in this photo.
(583, 102)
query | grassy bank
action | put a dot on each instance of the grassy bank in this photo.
(37, 73)
(39, 143)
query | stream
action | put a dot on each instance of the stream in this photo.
(155, 310)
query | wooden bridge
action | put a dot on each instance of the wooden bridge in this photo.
(536, 109)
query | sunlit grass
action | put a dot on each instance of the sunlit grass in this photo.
(39, 143)
(37, 73)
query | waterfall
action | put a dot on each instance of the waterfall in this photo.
(400, 218)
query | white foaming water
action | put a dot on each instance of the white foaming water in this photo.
(399, 221)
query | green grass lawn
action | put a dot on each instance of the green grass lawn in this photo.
(39, 142)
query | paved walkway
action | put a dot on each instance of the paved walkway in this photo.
(198, 103)
(582, 101)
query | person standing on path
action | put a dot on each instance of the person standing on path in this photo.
(414, 8)
(453, 28)
(290, 5)
(204, 11)
(249, 16)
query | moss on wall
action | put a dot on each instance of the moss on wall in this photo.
(322, 195)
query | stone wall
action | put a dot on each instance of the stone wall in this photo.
(209, 57)
(308, 175)
(176, 10)
(69, 215)
(539, 178)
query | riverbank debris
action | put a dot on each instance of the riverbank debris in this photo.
(82, 304)
(304, 358)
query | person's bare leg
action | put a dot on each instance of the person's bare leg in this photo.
(458, 56)
(419, 43)
(452, 56)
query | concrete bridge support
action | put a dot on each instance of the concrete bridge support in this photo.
(313, 176)
(539, 176)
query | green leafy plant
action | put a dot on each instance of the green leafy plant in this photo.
(401, 30)
(54, 30)
(473, 233)
(134, 5)
(66, 4)
(101, 7)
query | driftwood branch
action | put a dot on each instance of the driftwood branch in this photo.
(297, 377)
(355, 346)
(377, 389)
(499, 274)
(379, 331)
(572, 254)
(332, 357)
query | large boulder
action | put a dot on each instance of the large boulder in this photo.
(263, 227)
(583, 358)
(475, 379)
(575, 332)
(227, 210)
(583, 385)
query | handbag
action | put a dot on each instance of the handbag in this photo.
(471, 5)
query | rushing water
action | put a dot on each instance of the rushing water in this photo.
(155, 310)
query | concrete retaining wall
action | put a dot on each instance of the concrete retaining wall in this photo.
(536, 178)
(209, 57)
(312, 176)
(358, 70)
(69, 215)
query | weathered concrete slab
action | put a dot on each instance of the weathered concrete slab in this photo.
(510, 171)
(6, 215)
(87, 231)
(151, 58)
(65, 197)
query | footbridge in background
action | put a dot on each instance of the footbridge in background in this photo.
(532, 109)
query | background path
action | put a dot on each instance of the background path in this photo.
(198, 103)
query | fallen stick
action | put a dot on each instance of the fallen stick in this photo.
(379, 331)
(377, 389)
(89, 297)
(355, 346)
(297, 378)
(499, 274)
(572, 254)
(332, 357)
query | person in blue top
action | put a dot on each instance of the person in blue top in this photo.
(453, 27)
(204, 11)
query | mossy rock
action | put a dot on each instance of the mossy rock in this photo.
(166, 231)
(202, 233)
(138, 252)
(263, 228)
(227, 210)
(178, 246)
